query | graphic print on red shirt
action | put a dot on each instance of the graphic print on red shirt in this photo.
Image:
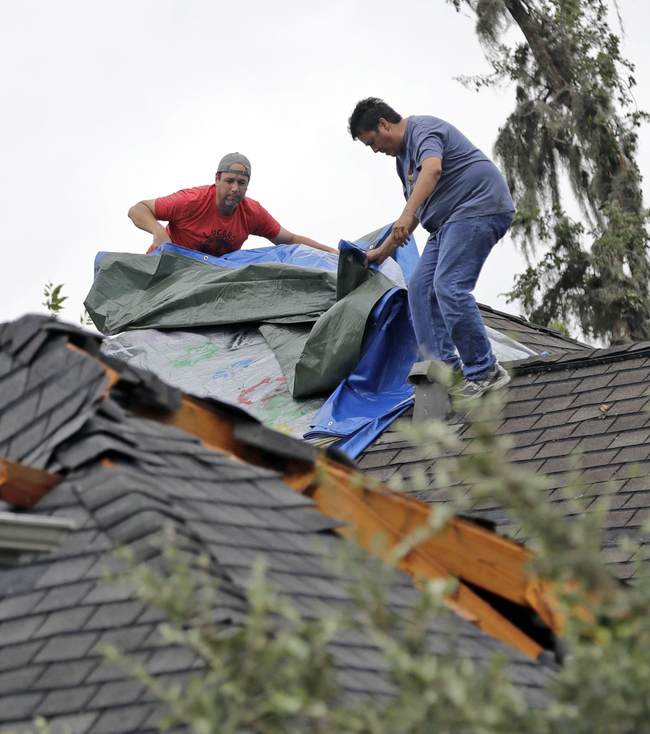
(195, 222)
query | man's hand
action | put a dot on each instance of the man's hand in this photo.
(160, 237)
(385, 250)
(143, 215)
(376, 256)
(403, 227)
(428, 177)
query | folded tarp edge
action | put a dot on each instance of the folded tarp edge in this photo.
(172, 291)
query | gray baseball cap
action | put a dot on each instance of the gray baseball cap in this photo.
(230, 159)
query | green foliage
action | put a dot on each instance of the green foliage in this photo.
(39, 726)
(273, 672)
(574, 115)
(54, 299)
(560, 327)
(604, 682)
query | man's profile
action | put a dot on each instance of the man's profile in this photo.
(461, 198)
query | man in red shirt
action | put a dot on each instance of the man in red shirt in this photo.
(214, 219)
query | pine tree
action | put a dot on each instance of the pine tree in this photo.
(574, 114)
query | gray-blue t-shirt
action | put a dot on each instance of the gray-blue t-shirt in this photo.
(470, 184)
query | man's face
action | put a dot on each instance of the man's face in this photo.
(385, 139)
(231, 187)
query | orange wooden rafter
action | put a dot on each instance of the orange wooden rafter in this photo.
(23, 486)
(367, 526)
(463, 548)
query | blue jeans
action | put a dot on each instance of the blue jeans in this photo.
(446, 319)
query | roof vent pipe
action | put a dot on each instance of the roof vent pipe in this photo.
(431, 397)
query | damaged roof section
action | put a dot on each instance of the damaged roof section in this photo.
(126, 465)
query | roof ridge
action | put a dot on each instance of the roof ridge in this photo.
(524, 321)
(566, 360)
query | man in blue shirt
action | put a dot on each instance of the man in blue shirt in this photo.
(460, 197)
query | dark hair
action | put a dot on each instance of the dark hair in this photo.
(367, 113)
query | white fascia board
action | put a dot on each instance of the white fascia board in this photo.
(32, 532)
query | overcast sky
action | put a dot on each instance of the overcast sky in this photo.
(108, 103)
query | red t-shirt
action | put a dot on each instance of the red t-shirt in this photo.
(195, 222)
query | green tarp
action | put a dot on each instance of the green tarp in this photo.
(316, 339)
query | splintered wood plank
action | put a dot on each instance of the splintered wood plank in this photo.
(23, 486)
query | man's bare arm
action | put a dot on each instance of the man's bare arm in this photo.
(385, 250)
(284, 237)
(143, 216)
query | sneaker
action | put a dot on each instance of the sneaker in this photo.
(469, 389)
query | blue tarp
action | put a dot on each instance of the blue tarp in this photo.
(377, 391)
(307, 257)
